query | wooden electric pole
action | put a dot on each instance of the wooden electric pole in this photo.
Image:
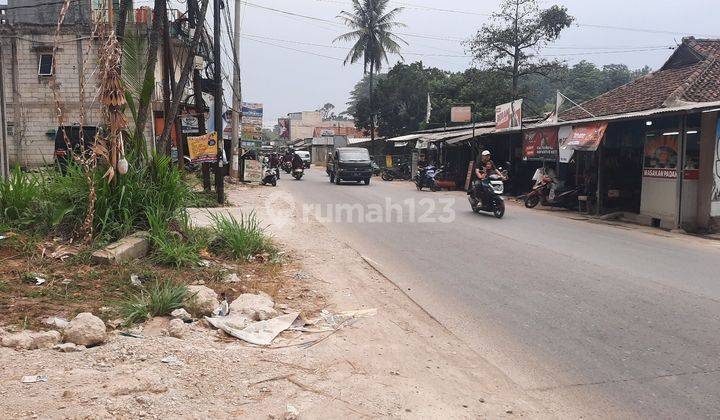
(218, 106)
(237, 97)
(4, 161)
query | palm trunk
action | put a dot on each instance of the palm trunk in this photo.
(372, 104)
(144, 107)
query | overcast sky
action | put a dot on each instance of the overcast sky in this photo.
(285, 80)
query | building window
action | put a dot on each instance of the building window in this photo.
(45, 65)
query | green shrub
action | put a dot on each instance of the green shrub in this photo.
(173, 242)
(242, 239)
(157, 299)
(17, 194)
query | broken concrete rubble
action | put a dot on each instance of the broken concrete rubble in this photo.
(176, 328)
(128, 248)
(181, 314)
(206, 300)
(68, 347)
(258, 307)
(29, 340)
(85, 329)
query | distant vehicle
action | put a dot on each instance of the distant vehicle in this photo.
(350, 164)
(305, 156)
(73, 138)
(425, 178)
(398, 172)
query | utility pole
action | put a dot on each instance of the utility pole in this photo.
(218, 99)
(197, 90)
(4, 162)
(166, 82)
(237, 98)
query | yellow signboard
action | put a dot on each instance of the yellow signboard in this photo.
(203, 148)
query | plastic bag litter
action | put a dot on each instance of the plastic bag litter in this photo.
(261, 333)
(31, 379)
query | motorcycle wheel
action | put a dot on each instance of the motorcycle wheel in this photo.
(434, 187)
(418, 185)
(337, 180)
(332, 178)
(386, 176)
(274, 182)
(532, 201)
(499, 211)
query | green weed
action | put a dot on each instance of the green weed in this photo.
(158, 298)
(241, 239)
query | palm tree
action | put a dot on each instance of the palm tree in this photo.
(372, 33)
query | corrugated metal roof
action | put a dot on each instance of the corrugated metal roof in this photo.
(407, 137)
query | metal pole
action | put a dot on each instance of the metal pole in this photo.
(4, 165)
(237, 97)
(218, 99)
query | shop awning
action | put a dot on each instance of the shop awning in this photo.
(467, 135)
(586, 137)
(405, 138)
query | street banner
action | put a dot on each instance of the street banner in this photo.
(541, 144)
(250, 109)
(661, 156)
(251, 132)
(253, 170)
(586, 137)
(189, 124)
(203, 148)
(715, 203)
(508, 115)
(565, 152)
(252, 120)
(284, 124)
(460, 114)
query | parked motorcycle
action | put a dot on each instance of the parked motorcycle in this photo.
(298, 173)
(541, 194)
(270, 175)
(398, 172)
(488, 197)
(425, 178)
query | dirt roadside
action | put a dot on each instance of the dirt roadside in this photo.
(398, 363)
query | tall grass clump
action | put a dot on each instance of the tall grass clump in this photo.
(240, 238)
(174, 242)
(158, 298)
(17, 195)
(57, 203)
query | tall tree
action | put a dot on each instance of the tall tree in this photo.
(372, 31)
(513, 38)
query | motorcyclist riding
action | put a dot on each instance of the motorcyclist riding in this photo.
(297, 162)
(485, 168)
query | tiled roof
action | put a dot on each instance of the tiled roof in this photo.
(695, 81)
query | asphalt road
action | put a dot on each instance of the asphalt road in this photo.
(591, 319)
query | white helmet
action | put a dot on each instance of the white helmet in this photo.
(485, 153)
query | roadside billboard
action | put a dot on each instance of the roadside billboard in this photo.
(251, 109)
(541, 144)
(459, 114)
(586, 137)
(203, 148)
(189, 124)
(661, 156)
(284, 124)
(508, 115)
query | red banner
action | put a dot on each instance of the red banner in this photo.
(586, 137)
(541, 144)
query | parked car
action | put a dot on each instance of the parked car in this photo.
(305, 156)
(350, 164)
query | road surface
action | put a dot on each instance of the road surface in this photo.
(591, 319)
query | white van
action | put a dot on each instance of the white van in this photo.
(305, 156)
